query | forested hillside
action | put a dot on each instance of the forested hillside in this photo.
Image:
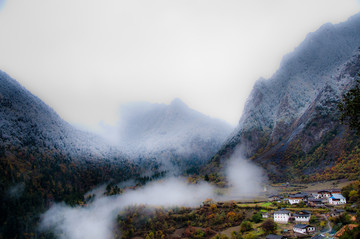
(44, 160)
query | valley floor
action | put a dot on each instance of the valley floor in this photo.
(226, 219)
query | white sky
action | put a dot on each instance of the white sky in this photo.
(85, 57)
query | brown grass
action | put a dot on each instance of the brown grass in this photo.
(311, 187)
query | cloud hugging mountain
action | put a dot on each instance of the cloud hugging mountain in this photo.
(290, 123)
(26, 121)
(167, 132)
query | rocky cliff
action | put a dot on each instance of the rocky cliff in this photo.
(289, 116)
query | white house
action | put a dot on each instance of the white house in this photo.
(302, 216)
(282, 216)
(297, 198)
(323, 194)
(303, 228)
(337, 199)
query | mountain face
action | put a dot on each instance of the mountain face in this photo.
(293, 115)
(26, 121)
(44, 160)
(170, 132)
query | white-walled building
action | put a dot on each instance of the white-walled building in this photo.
(282, 216)
(302, 216)
(297, 198)
(323, 194)
(337, 199)
(303, 228)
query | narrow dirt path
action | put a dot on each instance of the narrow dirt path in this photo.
(329, 225)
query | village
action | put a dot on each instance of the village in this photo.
(296, 211)
(303, 214)
(301, 220)
(310, 214)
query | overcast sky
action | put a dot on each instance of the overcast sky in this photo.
(85, 57)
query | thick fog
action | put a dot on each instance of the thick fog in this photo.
(97, 220)
(166, 131)
(245, 178)
(85, 57)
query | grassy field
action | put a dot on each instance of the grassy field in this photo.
(264, 205)
(309, 187)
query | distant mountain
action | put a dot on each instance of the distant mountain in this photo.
(169, 132)
(290, 122)
(26, 121)
(44, 160)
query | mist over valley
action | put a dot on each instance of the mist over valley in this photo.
(169, 171)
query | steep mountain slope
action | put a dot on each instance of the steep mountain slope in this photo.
(26, 121)
(44, 159)
(289, 116)
(170, 131)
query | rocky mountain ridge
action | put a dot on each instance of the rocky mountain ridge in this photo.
(287, 116)
(150, 132)
(26, 121)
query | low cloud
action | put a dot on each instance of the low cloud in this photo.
(97, 220)
(245, 178)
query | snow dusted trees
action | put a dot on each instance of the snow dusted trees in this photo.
(350, 108)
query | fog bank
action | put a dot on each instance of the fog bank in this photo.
(97, 220)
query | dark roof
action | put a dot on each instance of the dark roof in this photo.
(272, 236)
(301, 226)
(298, 195)
(305, 212)
(273, 196)
(282, 212)
(324, 191)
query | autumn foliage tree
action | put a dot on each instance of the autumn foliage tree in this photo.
(269, 226)
(245, 226)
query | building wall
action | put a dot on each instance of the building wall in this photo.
(294, 201)
(310, 229)
(325, 195)
(337, 202)
(303, 231)
(302, 219)
(281, 218)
